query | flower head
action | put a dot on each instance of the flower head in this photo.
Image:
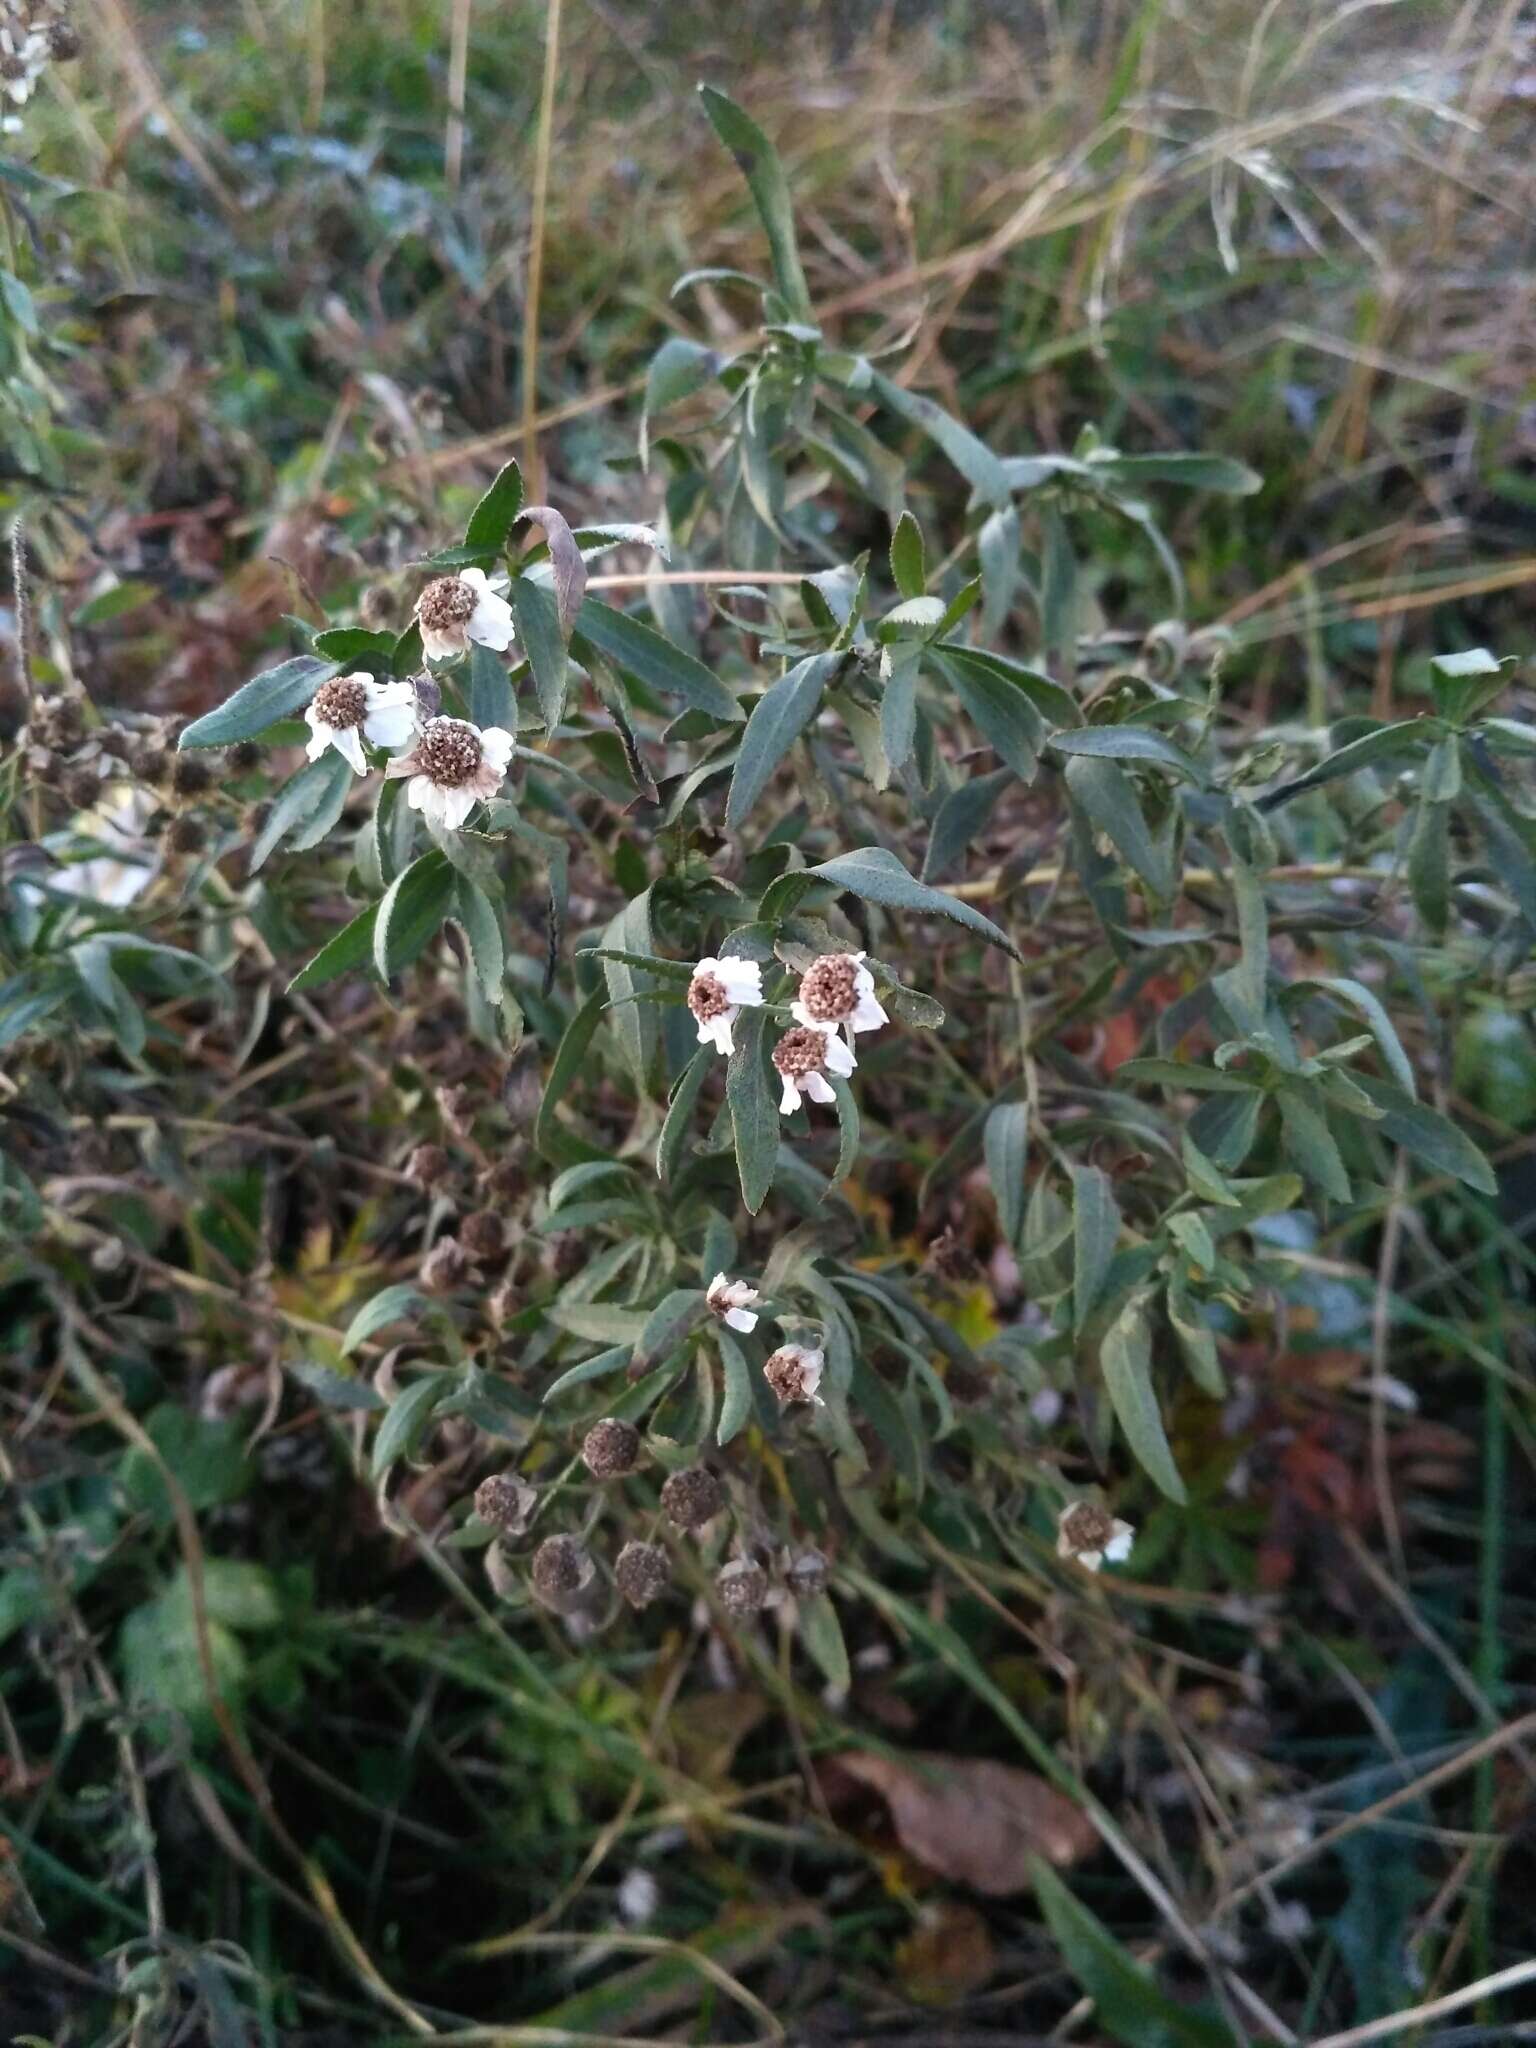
(804, 1058)
(837, 992)
(794, 1373)
(453, 766)
(453, 610)
(731, 1301)
(1091, 1534)
(718, 992)
(350, 709)
(23, 58)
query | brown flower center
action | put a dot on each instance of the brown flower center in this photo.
(707, 997)
(11, 66)
(785, 1373)
(829, 988)
(449, 751)
(341, 702)
(1086, 1527)
(447, 601)
(801, 1052)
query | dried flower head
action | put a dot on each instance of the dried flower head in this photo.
(642, 1572)
(610, 1448)
(64, 41)
(346, 710)
(505, 1502)
(444, 1267)
(794, 1373)
(1091, 1535)
(428, 1165)
(806, 1574)
(243, 756)
(483, 1235)
(742, 1586)
(804, 1058)
(560, 1573)
(731, 1301)
(717, 994)
(82, 788)
(186, 835)
(453, 610)
(692, 1497)
(190, 776)
(837, 992)
(453, 765)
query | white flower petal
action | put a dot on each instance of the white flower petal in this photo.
(438, 645)
(457, 805)
(497, 746)
(1118, 1548)
(742, 1319)
(491, 622)
(423, 794)
(348, 742)
(716, 1031)
(867, 1014)
(320, 734)
(742, 980)
(819, 1088)
(840, 1059)
(391, 725)
(1090, 1560)
(789, 1101)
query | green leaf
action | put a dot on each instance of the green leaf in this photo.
(261, 702)
(634, 1023)
(1310, 1145)
(117, 602)
(406, 1422)
(879, 877)
(1095, 1233)
(1112, 805)
(1440, 778)
(1000, 710)
(848, 1129)
(821, 1635)
(490, 687)
(1464, 683)
(482, 927)
(391, 1305)
(597, 1368)
(679, 1118)
(413, 907)
(356, 647)
(208, 1458)
(678, 369)
(1127, 2002)
(570, 1057)
(313, 798)
(898, 704)
(1183, 1074)
(1128, 743)
(1387, 743)
(754, 1108)
(960, 819)
(651, 659)
(1125, 1358)
(736, 1388)
(334, 1389)
(1252, 974)
(758, 162)
(537, 618)
(1054, 704)
(777, 721)
(909, 567)
(1226, 1126)
(350, 948)
(492, 519)
(974, 460)
(1356, 996)
(1429, 865)
(1005, 1146)
(1217, 473)
(667, 1326)
(1428, 1135)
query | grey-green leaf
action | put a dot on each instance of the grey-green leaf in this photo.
(261, 702)
(754, 1109)
(1005, 1146)
(1095, 1233)
(758, 162)
(778, 719)
(1126, 1360)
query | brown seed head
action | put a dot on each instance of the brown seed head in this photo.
(742, 1586)
(1085, 1527)
(560, 1569)
(341, 702)
(785, 1373)
(828, 987)
(503, 1501)
(691, 1497)
(186, 835)
(482, 1235)
(610, 1448)
(190, 776)
(807, 1574)
(243, 756)
(642, 1572)
(427, 1165)
(449, 751)
(82, 787)
(64, 43)
(800, 1052)
(444, 1267)
(149, 761)
(447, 601)
(376, 607)
(707, 997)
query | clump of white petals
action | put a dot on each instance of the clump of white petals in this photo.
(731, 1300)
(794, 1373)
(453, 610)
(804, 1058)
(837, 992)
(1092, 1535)
(453, 766)
(719, 991)
(350, 709)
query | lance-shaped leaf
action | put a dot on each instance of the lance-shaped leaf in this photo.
(780, 716)
(1005, 1146)
(1095, 1233)
(492, 519)
(754, 1108)
(879, 877)
(1387, 743)
(1125, 1358)
(275, 694)
(758, 162)
(640, 651)
(414, 905)
(565, 560)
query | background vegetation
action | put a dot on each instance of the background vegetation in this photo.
(264, 348)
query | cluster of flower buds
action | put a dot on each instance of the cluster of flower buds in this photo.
(33, 35)
(836, 1000)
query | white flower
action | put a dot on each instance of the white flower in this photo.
(350, 709)
(731, 1301)
(23, 59)
(453, 610)
(453, 766)
(113, 879)
(794, 1373)
(1091, 1535)
(718, 992)
(837, 991)
(804, 1057)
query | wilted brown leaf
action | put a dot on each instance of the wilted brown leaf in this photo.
(947, 1956)
(973, 1820)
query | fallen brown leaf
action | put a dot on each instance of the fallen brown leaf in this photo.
(973, 1820)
